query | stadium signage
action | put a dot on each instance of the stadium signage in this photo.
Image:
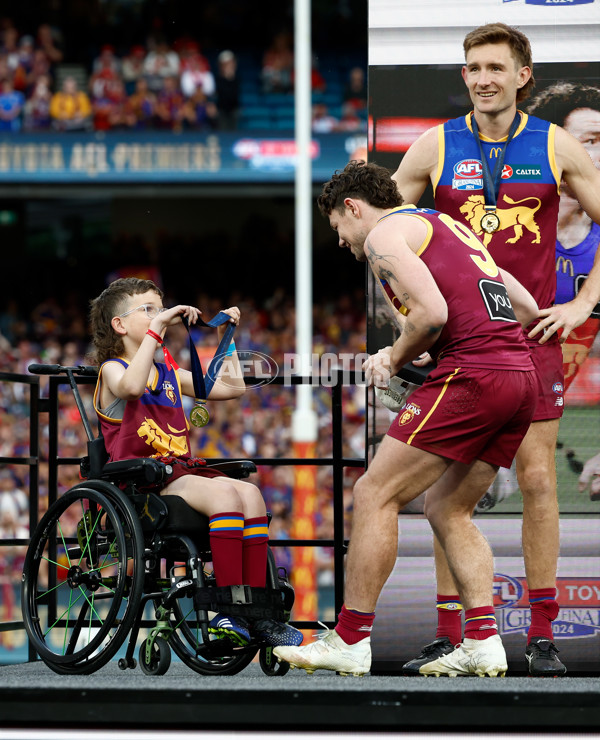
(578, 598)
(183, 158)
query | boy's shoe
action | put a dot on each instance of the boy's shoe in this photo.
(542, 657)
(471, 658)
(437, 648)
(276, 633)
(235, 628)
(329, 653)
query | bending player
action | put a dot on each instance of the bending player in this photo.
(466, 420)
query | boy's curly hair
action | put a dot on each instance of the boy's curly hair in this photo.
(369, 182)
(110, 303)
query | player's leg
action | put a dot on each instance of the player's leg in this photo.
(397, 474)
(536, 473)
(471, 563)
(448, 608)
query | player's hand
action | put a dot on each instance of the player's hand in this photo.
(423, 360)
(590, 477)
(565, 317)
(378, 368)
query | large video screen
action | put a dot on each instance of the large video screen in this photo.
(415, 60)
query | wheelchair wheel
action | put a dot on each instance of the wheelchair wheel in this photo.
(270, 665)
(188, 644)
(83, 578)
(157, 662)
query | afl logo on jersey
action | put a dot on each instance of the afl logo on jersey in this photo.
(467, 175)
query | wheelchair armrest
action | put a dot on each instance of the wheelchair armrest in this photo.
(234, 468)
(145, 470)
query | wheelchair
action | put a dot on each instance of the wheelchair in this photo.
(109, 549)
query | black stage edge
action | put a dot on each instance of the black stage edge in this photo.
(32, 696)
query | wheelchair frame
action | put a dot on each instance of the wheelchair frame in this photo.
(111, 546)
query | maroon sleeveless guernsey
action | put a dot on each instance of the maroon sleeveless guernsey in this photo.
(154, 425)
(482, 330)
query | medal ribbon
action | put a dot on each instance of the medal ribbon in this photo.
(491, 182)
(203, 384)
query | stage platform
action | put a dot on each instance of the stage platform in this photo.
(33, 696)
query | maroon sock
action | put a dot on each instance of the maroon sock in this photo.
(544, 608)
(449, 617)
(225, 535)
(480, 623)
(354, 626)
(254, 551)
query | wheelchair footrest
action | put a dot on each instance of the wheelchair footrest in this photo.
(241, 601)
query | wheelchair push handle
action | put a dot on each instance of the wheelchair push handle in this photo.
(70, 372)
(86, 370)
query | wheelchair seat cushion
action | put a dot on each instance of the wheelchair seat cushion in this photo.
(182, 519)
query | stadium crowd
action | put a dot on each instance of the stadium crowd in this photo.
(160, 85)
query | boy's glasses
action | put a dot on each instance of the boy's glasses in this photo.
(151, 310)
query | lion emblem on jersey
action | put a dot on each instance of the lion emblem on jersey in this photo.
(163, 442)
(517, 217)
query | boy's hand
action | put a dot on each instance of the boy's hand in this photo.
(235, 314)
(172, 316)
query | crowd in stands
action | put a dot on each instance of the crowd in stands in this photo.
(155, 86)
(256, 426)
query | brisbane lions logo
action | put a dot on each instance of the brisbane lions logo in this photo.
(517, 218)
(172, 442)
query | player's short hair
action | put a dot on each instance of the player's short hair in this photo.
(556, 102)
(110, 303)
(369, 182)
(500, 33)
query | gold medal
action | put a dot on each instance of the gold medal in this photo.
(490, 222)
(199, 415)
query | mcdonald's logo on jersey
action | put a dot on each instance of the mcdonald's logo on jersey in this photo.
(565, 265)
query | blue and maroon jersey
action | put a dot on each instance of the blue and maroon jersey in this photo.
(527, 203)
(573, 266)
(481, 330)
(154, 425)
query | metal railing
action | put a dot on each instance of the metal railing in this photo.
(50, 405)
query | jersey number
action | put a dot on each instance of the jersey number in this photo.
(485, 262)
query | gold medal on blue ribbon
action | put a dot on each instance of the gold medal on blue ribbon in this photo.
(199, 415)
(490, 222)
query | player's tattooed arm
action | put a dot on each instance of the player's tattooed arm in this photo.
(382, 266)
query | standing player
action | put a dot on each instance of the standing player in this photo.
(498, 170)
(466, 420)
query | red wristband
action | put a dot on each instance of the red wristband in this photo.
(169, 361)
(154, 335)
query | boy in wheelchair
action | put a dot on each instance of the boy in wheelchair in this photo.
(139, 406)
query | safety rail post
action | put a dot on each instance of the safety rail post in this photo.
(33, 462)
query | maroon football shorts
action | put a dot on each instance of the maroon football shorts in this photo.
(548, 362)
(469, 413)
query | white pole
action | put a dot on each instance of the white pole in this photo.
(304, 420)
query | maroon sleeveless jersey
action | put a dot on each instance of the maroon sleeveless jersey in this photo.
(154, 425)
(482, 330)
